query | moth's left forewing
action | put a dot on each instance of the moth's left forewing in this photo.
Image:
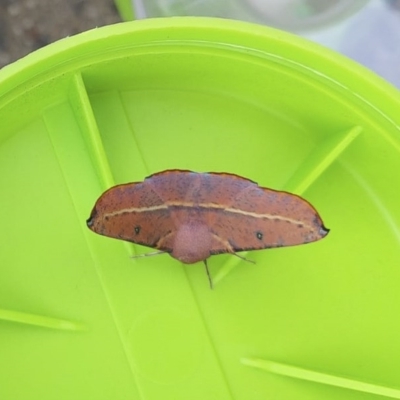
(133, 212)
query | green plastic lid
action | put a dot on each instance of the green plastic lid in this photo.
(81, 319)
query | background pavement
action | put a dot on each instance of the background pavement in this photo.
(26, 25)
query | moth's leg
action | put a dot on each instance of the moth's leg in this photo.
(244, 258)
(155, 253)
(208, 274)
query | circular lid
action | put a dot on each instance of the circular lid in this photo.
(116, 104)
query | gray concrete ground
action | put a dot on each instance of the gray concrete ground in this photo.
(26, 25)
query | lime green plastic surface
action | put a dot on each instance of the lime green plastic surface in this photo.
(125, 9)
(81, 319)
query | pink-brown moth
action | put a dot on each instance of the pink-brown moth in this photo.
(193, 216)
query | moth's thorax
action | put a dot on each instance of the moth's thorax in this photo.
(192, 242)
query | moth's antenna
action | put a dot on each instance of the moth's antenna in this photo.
(208, 274)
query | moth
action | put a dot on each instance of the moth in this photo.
(192, 216)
